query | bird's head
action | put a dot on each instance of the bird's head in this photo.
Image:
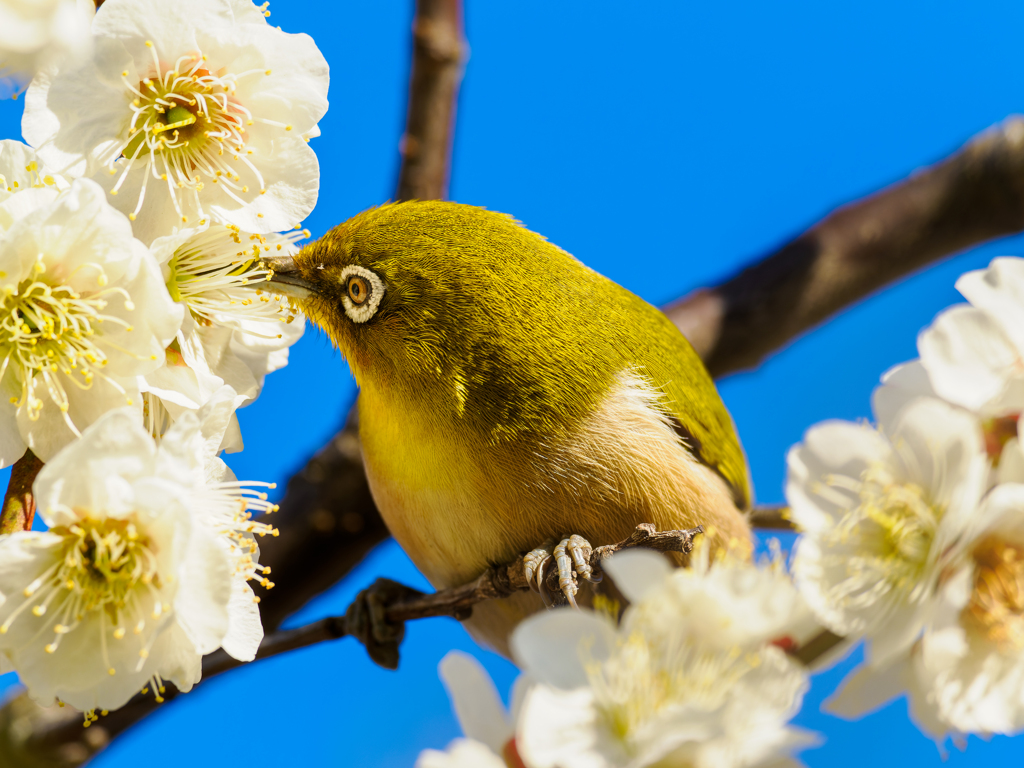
(450, 302)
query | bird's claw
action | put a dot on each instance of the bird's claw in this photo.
(366, 620)
(571, 556)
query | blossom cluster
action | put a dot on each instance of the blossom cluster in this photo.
(914, 529)
(912, 541)
(695, 673)
(167, 150)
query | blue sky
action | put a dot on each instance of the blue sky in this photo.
(665, 145)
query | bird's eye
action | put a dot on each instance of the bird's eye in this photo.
(363, 290)
(358, 290)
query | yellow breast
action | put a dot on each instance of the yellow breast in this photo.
(457, 507)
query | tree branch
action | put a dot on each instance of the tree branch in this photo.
(494, 583)
(438, 45)
(771, 517)
(973, 196)
(19, 507)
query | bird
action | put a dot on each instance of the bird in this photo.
(511, 397)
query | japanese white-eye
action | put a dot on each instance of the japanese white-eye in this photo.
(509, 394)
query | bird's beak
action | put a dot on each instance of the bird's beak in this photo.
(286, 279)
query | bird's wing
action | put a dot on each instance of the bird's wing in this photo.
(693, 405)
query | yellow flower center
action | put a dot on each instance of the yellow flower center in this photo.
(639, 682)
(103, 569)
(210, 274)
(996, 608)
(906, 523)
(894, 526)
(189, 129)
(49, 329)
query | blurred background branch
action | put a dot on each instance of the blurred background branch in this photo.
(19, 508)
(975, 195)
(438, 55)
(328, 520)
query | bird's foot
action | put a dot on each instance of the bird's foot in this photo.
(571, 556)
(366, 620)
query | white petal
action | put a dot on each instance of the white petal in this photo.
(553, 647)
(15, 208)
(562, 729)
(968, 357)
(245, 630)
(830, 448)
(1011, 462)
(135, 18)
(49, 433)
(636, 572)
(900, 385)
(868, 688)
(115, 446)
(293, 185)
(999, 291)
(475, 700)
(12, 447)
(942, 450)
(461, 753)
(204, 590)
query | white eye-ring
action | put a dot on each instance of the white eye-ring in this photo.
(363, 291)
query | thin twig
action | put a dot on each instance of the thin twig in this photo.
(19, 507)
(975, 195)
(771, 517)
(494, 583)
(438, 47)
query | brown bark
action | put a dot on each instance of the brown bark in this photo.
(438, 47)
(19, 507)
(974, 195)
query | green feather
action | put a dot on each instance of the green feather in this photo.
(501, 333)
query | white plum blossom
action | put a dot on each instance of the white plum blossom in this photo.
(188, 112)
(142, 570)
(882, 516)
(37, 33)
(85, 312)
(489, 730)
(691, 678)
(966, 673)
(233, 334)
